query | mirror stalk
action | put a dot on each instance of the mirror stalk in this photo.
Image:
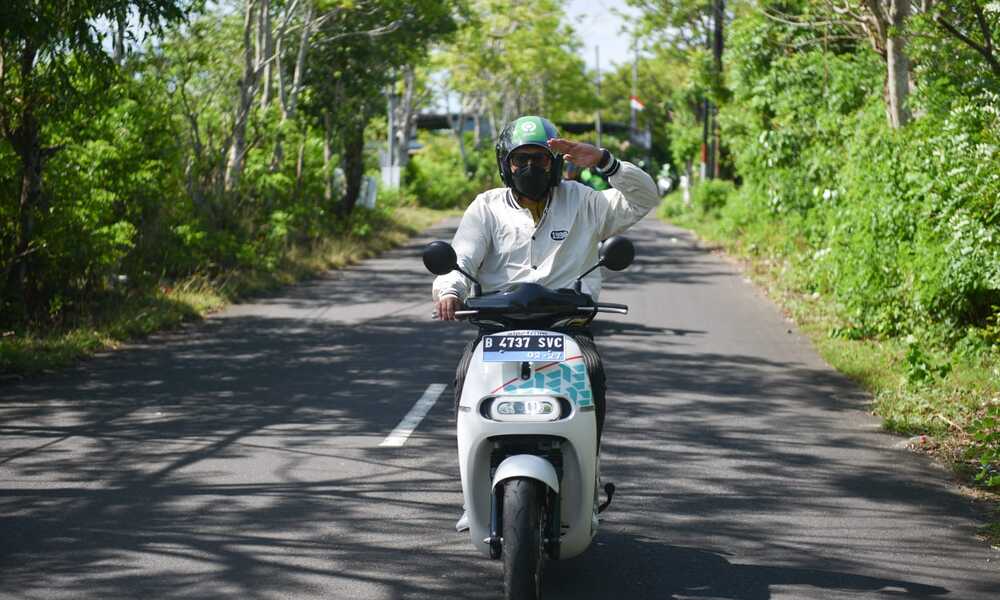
(578, 284)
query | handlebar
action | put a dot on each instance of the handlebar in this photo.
(602, 307)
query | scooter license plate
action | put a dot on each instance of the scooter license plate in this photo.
(520, 346)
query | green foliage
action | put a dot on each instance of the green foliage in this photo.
(658, 83)
(892, 235)
(47, 46)
(516, 59)
(948, 68)
(986, 446)
(351, 71)
(53, 71)
(712, 195)
(436, 177)
(135, 151)
(901, 227)
(920, 367)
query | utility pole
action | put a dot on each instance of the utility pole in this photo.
(391, 145)
(706, 116)
(390, 170)
(719, 8)
(597, 120)
(635, 85)
(710, 141)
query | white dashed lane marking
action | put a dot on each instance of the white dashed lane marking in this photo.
(413, 418)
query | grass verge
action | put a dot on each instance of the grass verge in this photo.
(936, 398)
(116, 317)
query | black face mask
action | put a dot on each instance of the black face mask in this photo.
(532, 181)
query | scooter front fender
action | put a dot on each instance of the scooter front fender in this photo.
(527, 466)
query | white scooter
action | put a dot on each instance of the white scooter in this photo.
(527, 427)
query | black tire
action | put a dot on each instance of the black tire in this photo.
(522, 539)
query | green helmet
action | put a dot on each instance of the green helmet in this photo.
(527, 131)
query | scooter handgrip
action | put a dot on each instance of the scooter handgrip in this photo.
(619, 309)
(612, 305)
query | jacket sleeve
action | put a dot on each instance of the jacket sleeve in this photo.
(632, 196)
(471, 242)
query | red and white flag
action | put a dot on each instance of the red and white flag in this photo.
(635, 103)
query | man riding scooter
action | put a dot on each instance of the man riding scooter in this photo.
(540, 229)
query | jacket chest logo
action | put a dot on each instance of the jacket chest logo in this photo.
(559, 235)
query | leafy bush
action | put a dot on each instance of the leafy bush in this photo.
(710, 196)
(887, 239)
(902, 228)
(109, 198)
(436, 177)
(986, 445)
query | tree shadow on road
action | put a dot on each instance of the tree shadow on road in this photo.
(640, 567)
(240, 458)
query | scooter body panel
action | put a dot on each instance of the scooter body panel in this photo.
(568, 379)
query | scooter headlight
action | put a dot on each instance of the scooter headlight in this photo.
(524, 409)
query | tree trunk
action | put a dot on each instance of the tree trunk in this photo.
(278, 156)
(27, 144)
(885, 24)
(244, 100)
(327, 158)
(267, 51)
(898, 64)
(354, 166)
(118, 41)
(289, 100)
(404, 120)
(492, 120)
(300, 60)
(194, 187)
(477, 140)
(29, 149)
(300, 165)
(457, 123)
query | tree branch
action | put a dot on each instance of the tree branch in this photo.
(192, 121)
(279, 35)
(4, 119)
(818, 41)
(33, 247)
(50, 151)
(790, 21)
(372, 33)
(985, 52)
(845, 9)
(984, 27)
(878, 11)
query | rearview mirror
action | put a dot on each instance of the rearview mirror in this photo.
(617, 253)
(439, 258)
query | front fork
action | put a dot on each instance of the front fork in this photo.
(550, 511)
(496, 525)
(551, 516)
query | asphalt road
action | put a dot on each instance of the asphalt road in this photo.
(240, 457)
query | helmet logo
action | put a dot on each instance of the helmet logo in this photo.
(528, 126)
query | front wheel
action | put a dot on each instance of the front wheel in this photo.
(522, 539)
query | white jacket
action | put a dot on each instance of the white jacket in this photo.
(499, 243)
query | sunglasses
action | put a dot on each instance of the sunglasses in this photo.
(521, 161)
